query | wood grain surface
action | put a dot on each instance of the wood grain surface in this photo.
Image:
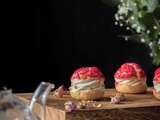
(136, 107)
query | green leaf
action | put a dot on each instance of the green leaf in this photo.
(156, 60)
(149, 5)
(156, 35)
(149, 22)
(156, 56)
(133, 37)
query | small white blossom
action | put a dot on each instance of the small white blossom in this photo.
(151, 54)
(155, 27)
(128, 28)
(138, 29)
(159, 41)
(134, 25)
(148, 31)
(123, 10)
(116, 23)
(150, 44)
(127, 21)
(127, 5)
(126, 38)
(132, 18)
(135, 4)
(140, 15)
(116, 17)
(121, 24)
(142, 40)
(126, 14)
(121, 17)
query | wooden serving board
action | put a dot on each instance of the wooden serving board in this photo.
(136, 107)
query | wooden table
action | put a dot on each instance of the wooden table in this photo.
(136, 107)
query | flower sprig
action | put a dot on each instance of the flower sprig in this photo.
(142, 18)
(119, 97)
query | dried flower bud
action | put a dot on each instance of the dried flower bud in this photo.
(70, 106)
(115, 100)
(60, 91)
(121, 96)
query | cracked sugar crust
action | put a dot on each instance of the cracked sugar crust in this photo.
(88, 73)
(130, 70)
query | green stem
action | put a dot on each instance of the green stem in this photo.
(156, 21)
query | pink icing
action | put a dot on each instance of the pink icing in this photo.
(86, 73)
(157, 71)
(128, 70)
(157, 78)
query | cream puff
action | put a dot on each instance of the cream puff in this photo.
(87, 83)
(156, 83)
(130, 78)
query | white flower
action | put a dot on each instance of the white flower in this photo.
(134, 25)
(135, 4)
(121, 24)
(128, 28)
(138, 29)
(121, 17)
(123, 10)
(116, 23)
(151, 54)
(126, 38)
(155, 27)
(127, 21)
(150, 44)
(140, 15)
(116, 17)
(148, 31)
(142, 40)
(132, 18)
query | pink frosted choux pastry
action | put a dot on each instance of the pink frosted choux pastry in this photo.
(87, 83)
(130, 78)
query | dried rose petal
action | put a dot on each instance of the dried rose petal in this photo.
(115, 100)
(69, 106)
(59, 92)
(89, 106)
(121, 96)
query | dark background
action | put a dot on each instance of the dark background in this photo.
(48, 40)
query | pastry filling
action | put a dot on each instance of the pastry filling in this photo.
(156, 86)
(86, 85)
(130, 82)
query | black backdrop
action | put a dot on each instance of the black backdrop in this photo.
(48, 40)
